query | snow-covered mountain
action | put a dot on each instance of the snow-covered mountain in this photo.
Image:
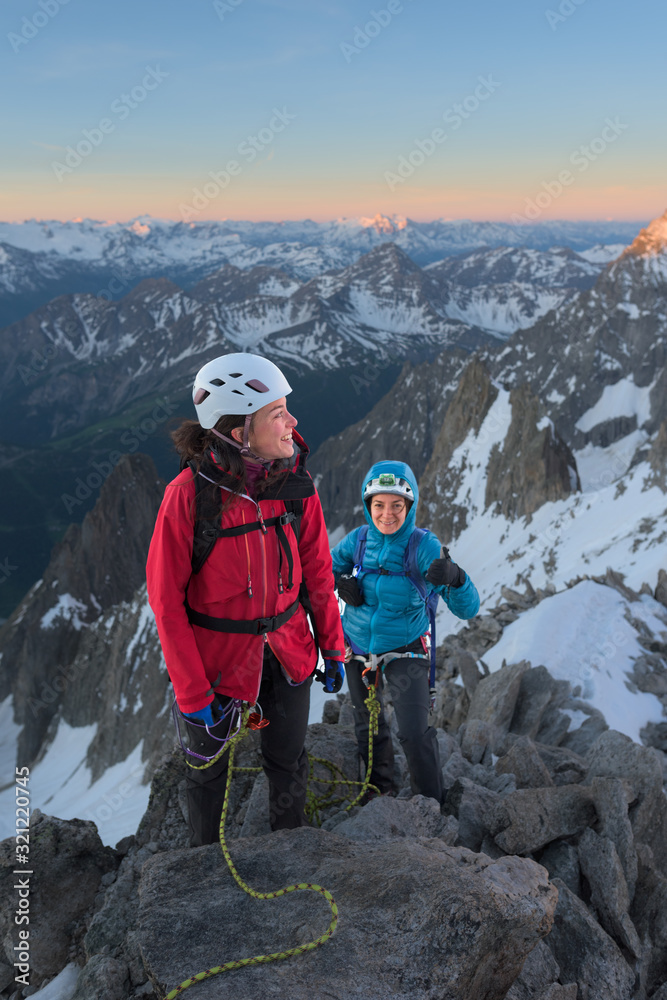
(542, 462)
(108, 259)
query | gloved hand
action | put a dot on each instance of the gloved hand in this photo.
(349, 590)
(444, 573)
(332, 676)
(209, 715)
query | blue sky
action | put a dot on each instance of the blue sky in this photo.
(361, 88)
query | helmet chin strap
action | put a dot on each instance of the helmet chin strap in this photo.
(245, 447)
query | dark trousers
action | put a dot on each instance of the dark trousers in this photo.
(284, 756)
(407, 681)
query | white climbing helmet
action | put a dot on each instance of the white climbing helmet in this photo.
(236, 384)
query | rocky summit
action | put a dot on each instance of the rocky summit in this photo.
(543, 876)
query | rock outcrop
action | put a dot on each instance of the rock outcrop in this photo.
(97, 566)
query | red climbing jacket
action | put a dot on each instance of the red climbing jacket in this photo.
(241, 580)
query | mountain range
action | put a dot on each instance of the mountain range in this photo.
(40, 260)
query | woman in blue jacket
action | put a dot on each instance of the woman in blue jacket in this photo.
(386, 623)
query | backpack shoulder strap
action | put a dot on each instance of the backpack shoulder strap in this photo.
(360, 549)
(296, 508)
(204, 535)
(429, 597)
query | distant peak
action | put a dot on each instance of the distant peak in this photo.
(651, 241)
(384, 224)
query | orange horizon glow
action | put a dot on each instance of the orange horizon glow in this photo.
(122, 199)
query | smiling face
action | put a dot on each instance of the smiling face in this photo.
(271, 429)
(388, 512)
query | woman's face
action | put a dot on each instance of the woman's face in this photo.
(271, 431)
(388, 512)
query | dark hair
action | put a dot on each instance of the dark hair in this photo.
(195, 443)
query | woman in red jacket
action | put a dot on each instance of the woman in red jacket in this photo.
(229, 596)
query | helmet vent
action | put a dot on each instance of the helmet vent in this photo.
(216, 381)
(258, 386)
(200, 396)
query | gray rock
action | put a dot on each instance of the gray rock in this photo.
(102, 978)
(558, 992)
(456, 767)
(385, 818)
(611, 797)
(586, 954)
(107, 929)
(530, 818)
(470, 803)
(614, 755)
(582, 739)
(602, 868)
(535, 693)
(447, 745)
(495, 696)
(564, 765)
(469, 672)
(561, 860)
(524, 762)
(256, 820)
(331, 711)
(69, 860)
(649, 915)
(539, 971)
(553, 727)
(417, 919)
(477, 737)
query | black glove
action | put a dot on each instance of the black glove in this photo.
(444, 573)
(349, 590)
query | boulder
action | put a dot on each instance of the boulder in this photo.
(561, 860)
(477, 737)
(539, 971)
(417, 919)
(470, 803)
(565, 766)
(649, 915)
(603, 870)
(385, 818)
(69, 861)
(495, 696)
(524, 762)
(103, 978)
(530, 818)
(535, 692)
(611, 797)
(586, 954)
(614, 755)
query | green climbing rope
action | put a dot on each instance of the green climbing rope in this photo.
(373, 706)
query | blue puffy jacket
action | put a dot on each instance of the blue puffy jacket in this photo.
(393, 613)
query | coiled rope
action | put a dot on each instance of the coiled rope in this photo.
(314, 806)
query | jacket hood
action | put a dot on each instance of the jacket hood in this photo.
(402, 471)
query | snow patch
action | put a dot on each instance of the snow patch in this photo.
(623, 399)
(581, 635)
(68, 608)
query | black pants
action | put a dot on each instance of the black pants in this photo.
(285, 759)
(407, 681)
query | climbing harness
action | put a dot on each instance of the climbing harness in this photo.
(242, 726)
